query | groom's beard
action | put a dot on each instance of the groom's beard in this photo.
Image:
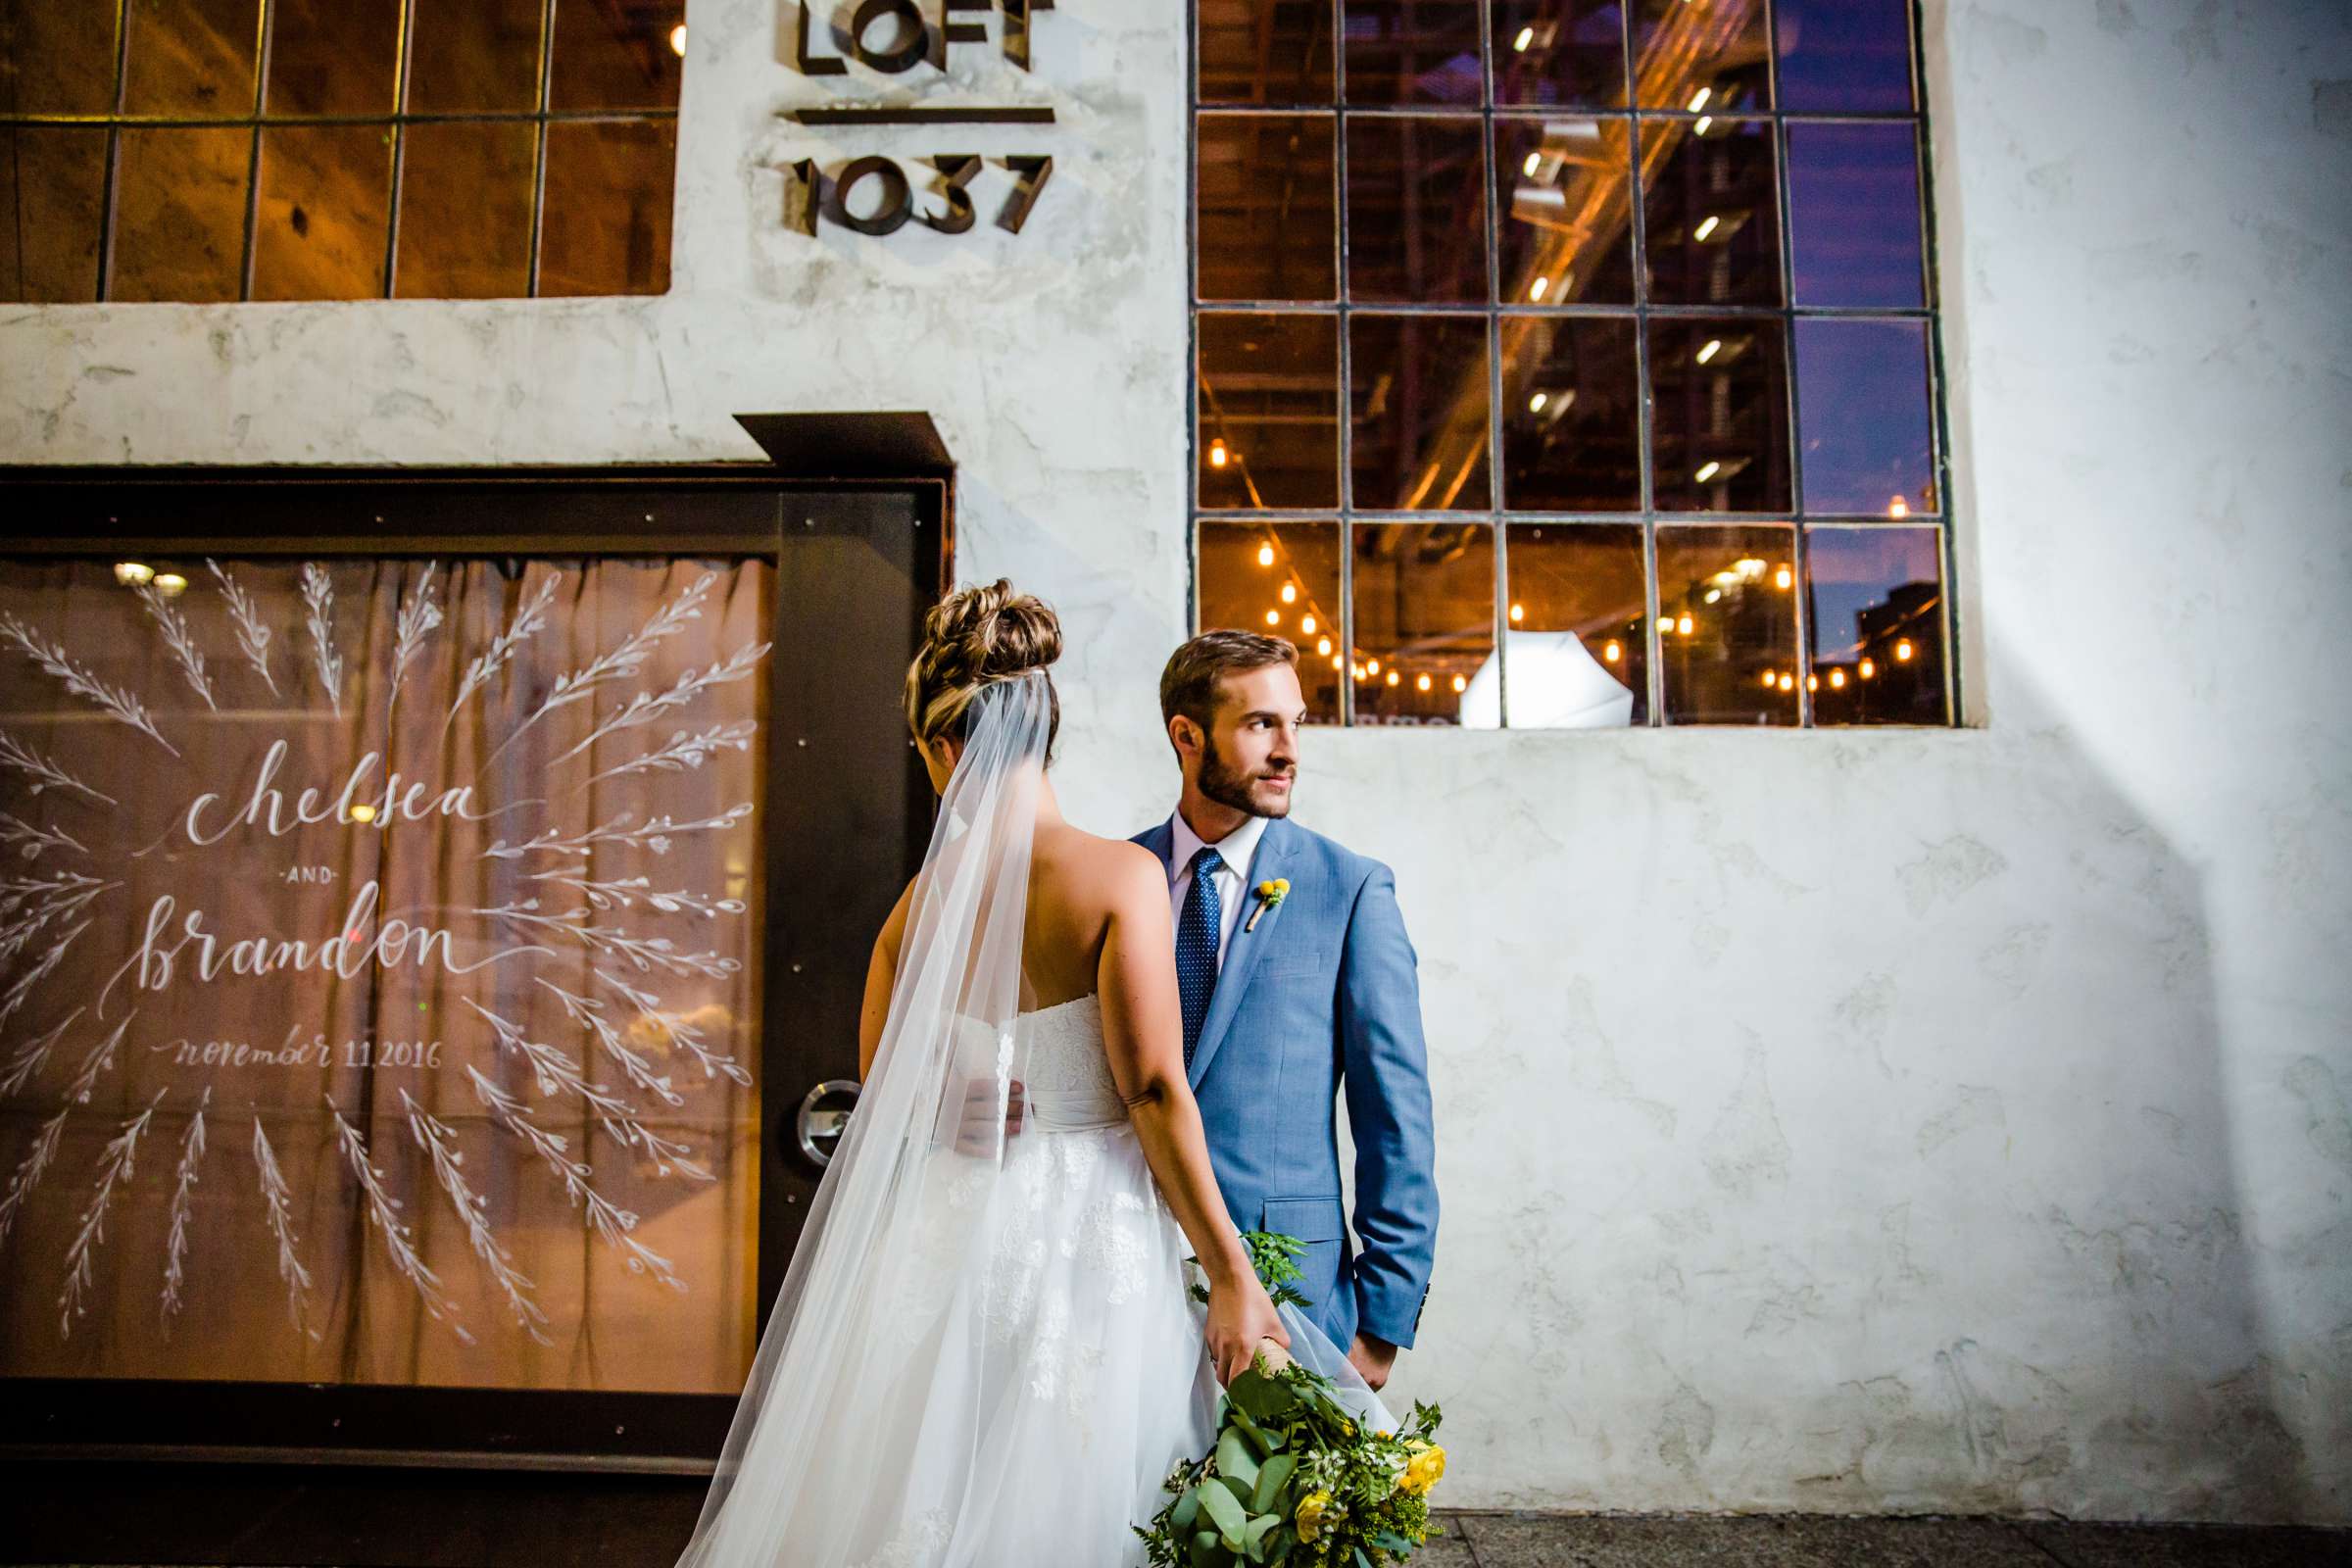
(1239, 789)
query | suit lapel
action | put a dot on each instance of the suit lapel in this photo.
(1273, 852)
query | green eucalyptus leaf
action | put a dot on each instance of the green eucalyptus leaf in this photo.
(1234, 1458)
(1270, 1478)
(1225, 1511)
(1186, 1510)
(1254, 1540)
(1205, 1549)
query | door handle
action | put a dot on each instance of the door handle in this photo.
(822, 1119)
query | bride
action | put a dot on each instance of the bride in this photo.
(984, 1352)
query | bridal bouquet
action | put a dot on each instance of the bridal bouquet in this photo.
(1294, 1478)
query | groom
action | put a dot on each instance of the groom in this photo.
(1290, 1002)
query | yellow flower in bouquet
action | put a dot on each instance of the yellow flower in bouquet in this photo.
(1424, 1469)
(1312, 1509)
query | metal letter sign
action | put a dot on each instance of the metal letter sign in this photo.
(893, 38)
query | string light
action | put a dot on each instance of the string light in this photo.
(1391, 677)
(1709, 349)
(1613, 652)
(1899, 508)
(1837, 680)
(1526, 36)
(1461, 683)
(1218, 453)
(1423, 683)
(1706, 228)
(1323, 646)
(1307, 625)
(1518, 613)
(1684, 626)
(1772, 679)
(1532, 163)
(1783, 577)
(1373, 666)
(361, 812)
(1273, 618)
(1289, 593)
(1812, 683)
(131, 573)
(1787, 683)
(678, 40)
(1335, 661)
(1535, 290)
(1265, 555)
(1869, 670)
(1902, 648)
(1708, 469)
(170, 584)
(1534, 405)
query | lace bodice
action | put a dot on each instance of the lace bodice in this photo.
(1067, 1080)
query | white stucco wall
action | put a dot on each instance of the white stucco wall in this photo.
(1852, 1121)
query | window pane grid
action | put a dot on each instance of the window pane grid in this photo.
(1785, 506)
(272, 127)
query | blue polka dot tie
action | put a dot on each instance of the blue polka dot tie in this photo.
(1196, 935)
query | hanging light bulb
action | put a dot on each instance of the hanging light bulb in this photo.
(1391, 677)
(1422, 684)
(1265, 555)
(1707, 470)
(1787, 683)
(1613, 652)
(1518, 613)
(1899, 508)
(1306, 624)
(1706, 228)
(1526, 36)
(1869, 670)
(1534, 405)
(1837, 680)
(1273, 618)
(1323, 644)
(1373, 666)
(1902, 648)
(1772, 679)
(1684, 626)
(1289, 593)
(1812, 683)
(1461, 683)
(1783, 577)
(1709, 349)
(1218, 453)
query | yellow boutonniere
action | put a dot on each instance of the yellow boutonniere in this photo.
(1269, 896)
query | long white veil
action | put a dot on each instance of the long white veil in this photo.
(867, 1403)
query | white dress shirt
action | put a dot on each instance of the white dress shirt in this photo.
(1234, 850)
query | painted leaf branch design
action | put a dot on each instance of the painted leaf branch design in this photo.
(318, 595)
(440, 1146)
(78, 679)
(177, 637)
(613, 1222)
(44, 771)
(384, 1213)
(644, 706)
(524, 627)
(577, 685)
(253, 632)
(183, 1187)
(114, 1167)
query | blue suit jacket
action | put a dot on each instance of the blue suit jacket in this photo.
(1322, 997)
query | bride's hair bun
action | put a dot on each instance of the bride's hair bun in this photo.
(972, 639)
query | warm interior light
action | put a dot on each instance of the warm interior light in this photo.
(1534, 405)
(1535, 290)
(1308, 624)
(1423, 683)
(1216, 453)
(1532, 163)
(1335, 661)
(131, 573)
(363, 813)
(170, 584)
(1707, 470)
(1665, 623)
(1899, 508)
(678, 40)
(1709, 349)
(1323, 646)
(1699, 101)
(1704, 121)
(1273, 618)
(1461, 683)
(1372, 666)
(1869, 670)
(1613, 652)
(1289, 593)
(1714, 594)
(1518, 613)
(1836, 679)
(1783, 577)
(1265, 555)
(1684, 626)
(1749, 567)
(1391, 677)
(1787, 683)
(1526, 36)
(1902, 648)
(1812, 683)
(1772, 679)
(1707, 227)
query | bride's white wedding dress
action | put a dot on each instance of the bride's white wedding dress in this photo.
(981, 1357)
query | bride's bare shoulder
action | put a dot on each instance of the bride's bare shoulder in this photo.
(1110, 869)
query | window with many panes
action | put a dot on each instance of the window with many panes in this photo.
(204, 150)
(1571, 363)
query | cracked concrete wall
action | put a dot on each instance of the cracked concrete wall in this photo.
(1890, 1121)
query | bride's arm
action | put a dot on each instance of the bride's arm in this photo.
(881, 971)
(1144, 1035)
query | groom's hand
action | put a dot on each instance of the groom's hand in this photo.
(976, 1130)
(1373, 1358)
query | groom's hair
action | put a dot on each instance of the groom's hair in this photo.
(1189, 683)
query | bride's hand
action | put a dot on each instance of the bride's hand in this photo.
(1240, 1316)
